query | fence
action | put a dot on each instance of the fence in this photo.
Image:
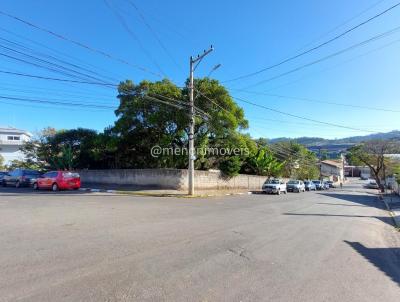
(171, 179)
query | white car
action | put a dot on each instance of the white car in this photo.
(274, 186)
(295, 185)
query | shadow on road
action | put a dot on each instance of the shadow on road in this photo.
(10, 191)
(387, 220)
(385, 259)
(365, 200)
(340, 204)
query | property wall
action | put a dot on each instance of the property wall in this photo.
(159, 178)
(10, 153)
(170, 179)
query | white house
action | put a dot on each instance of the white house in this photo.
(11, 140)
(334, 170)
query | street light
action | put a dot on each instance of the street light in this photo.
(213, 69)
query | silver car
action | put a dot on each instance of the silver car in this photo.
(295, 185)
(274, 186)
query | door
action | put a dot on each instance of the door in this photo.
(44, 181)
(14, 177)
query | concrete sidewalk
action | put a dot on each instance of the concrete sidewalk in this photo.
(156, 192)
(392, 203)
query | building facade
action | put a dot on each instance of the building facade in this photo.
(333, 170)
(11, 140)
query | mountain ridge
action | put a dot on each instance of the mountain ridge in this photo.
(351, 140)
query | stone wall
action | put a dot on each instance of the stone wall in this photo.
(171, 179)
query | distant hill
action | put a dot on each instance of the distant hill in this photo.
(349, 141)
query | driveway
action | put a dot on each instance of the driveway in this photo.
(336, 245)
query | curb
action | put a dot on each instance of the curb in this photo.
(138, 193)
(396, 218)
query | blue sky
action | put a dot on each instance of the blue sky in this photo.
(247, 36)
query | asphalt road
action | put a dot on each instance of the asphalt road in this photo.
(338, 245)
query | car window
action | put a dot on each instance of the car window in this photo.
(70, 175)
(31, 173)
(15, 173)
(293, 182)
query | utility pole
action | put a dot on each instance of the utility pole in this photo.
(194, 62)
(320, 164)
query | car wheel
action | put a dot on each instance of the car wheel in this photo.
(35, 186)
(17, 184)
(54, 187)
(285, 192)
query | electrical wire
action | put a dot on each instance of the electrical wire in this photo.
(316, 47)
(49, 62)
(334, 66)
(56, 79)
(377, 37)
(321, 101)
(80, 44)
(154, 33)
(122, 21)
(301, 117)
(56, 51)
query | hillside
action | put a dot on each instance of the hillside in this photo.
(318, 141)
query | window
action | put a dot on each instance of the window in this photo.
(13, 138)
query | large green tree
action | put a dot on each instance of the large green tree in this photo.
(156, 114)
(373, 154)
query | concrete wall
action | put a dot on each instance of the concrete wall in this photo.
(170, 179)
(158, 178)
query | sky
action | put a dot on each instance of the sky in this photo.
(156, 39)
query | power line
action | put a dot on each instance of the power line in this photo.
(121, 19)
(56, 79)
(377, 37)
(82, 45)
(132, 3)
(43, 92)
(56, 51)
(212, 101)
(321, 101)
(334, 66)
(60, 103)
(343, 23)
(306, 125)
(301, 117)
(181, 103)
(58, 70)
(51, 58)
(316, 47)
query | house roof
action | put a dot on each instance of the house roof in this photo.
(333, 163)
(14, 131)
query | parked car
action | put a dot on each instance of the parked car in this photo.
(274, 186)
(372, 184)
(2, 174)
(20, 178)
(310, 186)
(295, 186)
(326, 185)
(58, 180)
(318, 185)
(331, 184)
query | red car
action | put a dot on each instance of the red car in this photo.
(58, 180)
